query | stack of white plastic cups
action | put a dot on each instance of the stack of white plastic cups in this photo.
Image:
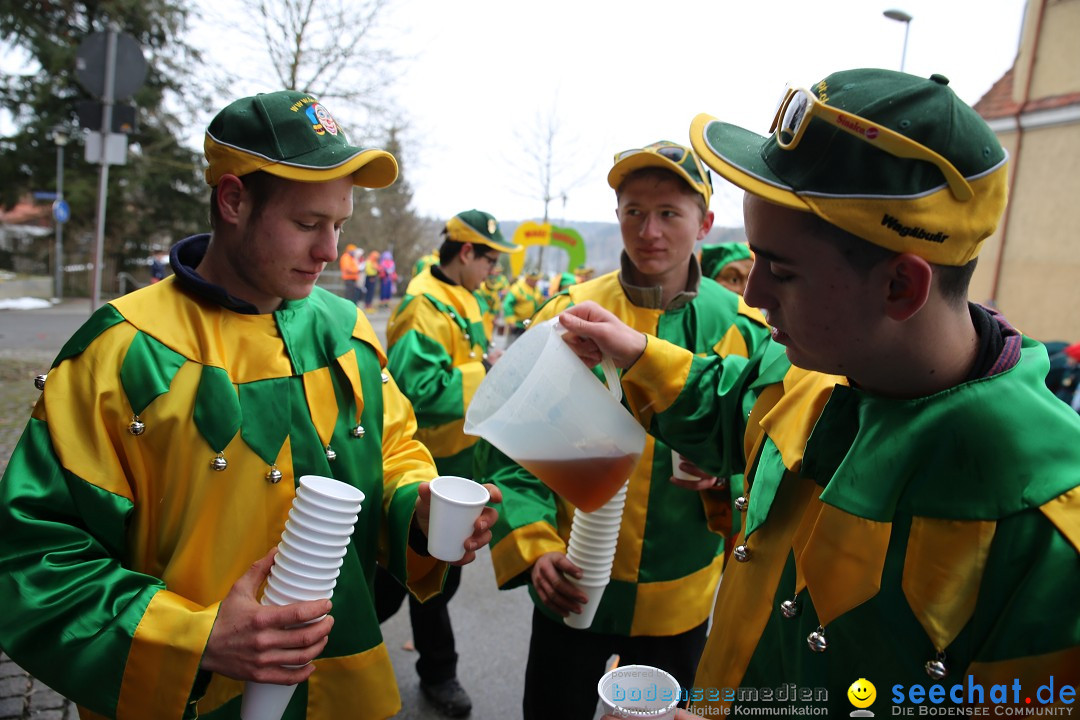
(306, 567)
(593, 539)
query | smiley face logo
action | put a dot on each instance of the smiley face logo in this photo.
(862, 693)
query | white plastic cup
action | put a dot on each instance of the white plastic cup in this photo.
(301, 568)
(301, 558)
(325, 534)
(456, 502)
(309, 547)
(310, 500)
(263, 701)
(639, 691)
(594, 591)
(677, 473)
(576, 552)
(594, 537)
(303, 580)
(335, 493)
(314, 516)
(297, 592)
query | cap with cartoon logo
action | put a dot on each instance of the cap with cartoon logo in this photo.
(291, 135)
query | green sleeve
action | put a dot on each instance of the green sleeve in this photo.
(70, 608)
(428, 378)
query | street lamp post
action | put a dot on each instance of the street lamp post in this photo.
(60, 138)
(901, 16)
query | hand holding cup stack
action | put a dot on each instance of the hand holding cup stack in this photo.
(306, 567)
(593, 539)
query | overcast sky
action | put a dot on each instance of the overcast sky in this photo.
(623, 74)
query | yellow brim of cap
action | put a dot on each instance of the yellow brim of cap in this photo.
(460, 231)
(640, 160)
(370, 168)
(770, 189)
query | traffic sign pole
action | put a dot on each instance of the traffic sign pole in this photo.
(103, 178)
(58, 252)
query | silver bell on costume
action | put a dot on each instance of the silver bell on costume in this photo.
(741, 503)
(331, 454)
(936, 668)
(816, 640)
(741, 553)
(790, 608)
(39, 381)
(219, 463)
(136, 427)
(358, 431)
(273, 475)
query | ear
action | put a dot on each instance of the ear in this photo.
(910, 278)
(230, 196)
(706, 224)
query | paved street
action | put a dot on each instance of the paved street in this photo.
(492, 627)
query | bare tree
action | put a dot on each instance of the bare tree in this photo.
(547, 160)
(329, 48)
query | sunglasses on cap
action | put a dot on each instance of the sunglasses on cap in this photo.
(797, 106)
(682, 157)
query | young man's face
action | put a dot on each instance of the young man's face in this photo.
(660, 222)
(280, 254)
(821, 308)
(477, 263)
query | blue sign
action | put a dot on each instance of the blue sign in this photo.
(61, 212)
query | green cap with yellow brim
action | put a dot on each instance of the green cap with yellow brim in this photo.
(841, 172)
(479, 228)
(291, 135)
(715, 257)
(667, 155)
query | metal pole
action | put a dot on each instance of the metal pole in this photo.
(903, 53)
(103, 178)
(58, 251)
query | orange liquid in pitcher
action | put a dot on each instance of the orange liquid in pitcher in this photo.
(587, 483)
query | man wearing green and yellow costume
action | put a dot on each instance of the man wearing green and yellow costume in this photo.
(140, 510)
(911, 517)
(670, 550)
(521, 302)
(437, 345)
(432, 258)
(490, 294)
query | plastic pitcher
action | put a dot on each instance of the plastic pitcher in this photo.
(543, 408)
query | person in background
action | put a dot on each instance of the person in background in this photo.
(140, 512)
(728, 264)
(350, 271)
(670, 551)
(563, 281)
(912, 483)
(432, 258)
(371, 280)
(437, 345)
(387, 279)
(158, 266)
(521, 302)
(490, 295)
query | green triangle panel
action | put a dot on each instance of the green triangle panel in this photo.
(105, 317)
(217, 408)
(265, 407)
(148, 370)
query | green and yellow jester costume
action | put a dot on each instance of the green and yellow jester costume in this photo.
(671, 543)
(147, 482)
(436, 345)
(520, 303)
(892, 540)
